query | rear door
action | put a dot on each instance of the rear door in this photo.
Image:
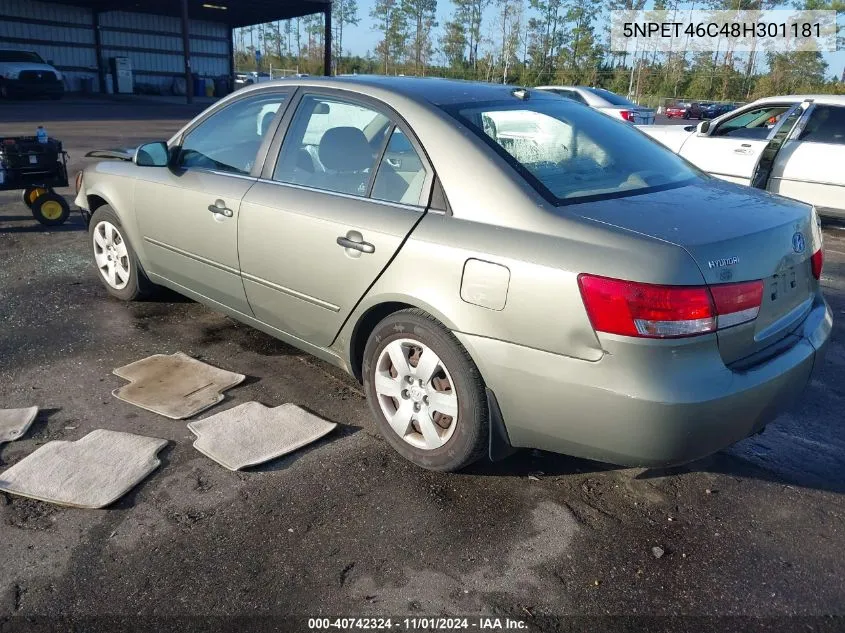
(809, 167)
(733, 147)
(326, 217)
(188, 212)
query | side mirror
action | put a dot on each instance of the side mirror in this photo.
(703, 128)
(152, 155)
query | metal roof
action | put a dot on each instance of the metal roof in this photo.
(231, 12)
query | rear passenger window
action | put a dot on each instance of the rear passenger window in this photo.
(826, 125)
(401, 174)
(332, 144)
(571, 94)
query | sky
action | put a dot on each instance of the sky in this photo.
(360, 39)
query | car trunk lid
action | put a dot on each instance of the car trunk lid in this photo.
(734, 234)
(643, 116)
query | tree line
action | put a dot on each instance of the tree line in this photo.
(534, 42)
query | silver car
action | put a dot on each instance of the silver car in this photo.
(605, 101)
(499, 267)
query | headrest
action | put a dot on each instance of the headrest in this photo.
(345, 149)
(266, 122)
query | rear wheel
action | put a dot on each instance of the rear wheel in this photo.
(117, 265)
(425, 391)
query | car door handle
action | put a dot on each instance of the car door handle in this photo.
(745, 148)
(364, 247)
(220, 208)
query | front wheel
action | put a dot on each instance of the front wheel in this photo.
(117, 265)
(425, 391)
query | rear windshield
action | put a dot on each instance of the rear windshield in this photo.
(612, 97)
(573, 154)
(20, 56)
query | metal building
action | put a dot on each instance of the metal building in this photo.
(163, 39)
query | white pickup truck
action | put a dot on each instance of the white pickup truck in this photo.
(25, 74)
(791, 145)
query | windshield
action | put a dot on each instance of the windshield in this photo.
(20, 56)
(570, 153)
(612, 97)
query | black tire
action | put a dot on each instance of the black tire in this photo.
(138, 286)
(29, 195)
(50, 209)
(469, 439)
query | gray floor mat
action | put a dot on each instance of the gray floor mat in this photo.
(92, 472)
(175, 386)
(15, 422)
(251, 433)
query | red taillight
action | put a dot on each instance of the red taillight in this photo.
(817, 262)
(646, 310)
(627, 115)
(737, 303)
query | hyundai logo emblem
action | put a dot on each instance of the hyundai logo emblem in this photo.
(798, 242)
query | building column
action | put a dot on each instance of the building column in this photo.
(231, 59)
(186, 52)
(327, 53)
(98, 51)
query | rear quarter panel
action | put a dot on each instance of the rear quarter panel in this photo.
(543, 308)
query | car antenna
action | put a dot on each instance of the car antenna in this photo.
(521, 93)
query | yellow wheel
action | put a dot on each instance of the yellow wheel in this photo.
(32, 193)
(50, 209)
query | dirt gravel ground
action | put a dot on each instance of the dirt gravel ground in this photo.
(346, 527)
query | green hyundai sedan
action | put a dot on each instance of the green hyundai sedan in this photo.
(499, 267)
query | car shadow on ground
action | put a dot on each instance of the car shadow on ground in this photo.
(724, 463)
(530, 462)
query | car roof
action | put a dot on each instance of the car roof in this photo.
(823, 99)
(430, 90)
(564, 87)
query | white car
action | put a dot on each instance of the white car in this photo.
(793, 146)
(250, 78)
(606, 101)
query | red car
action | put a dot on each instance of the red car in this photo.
(679, 111)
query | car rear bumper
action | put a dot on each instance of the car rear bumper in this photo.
(643, 404)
